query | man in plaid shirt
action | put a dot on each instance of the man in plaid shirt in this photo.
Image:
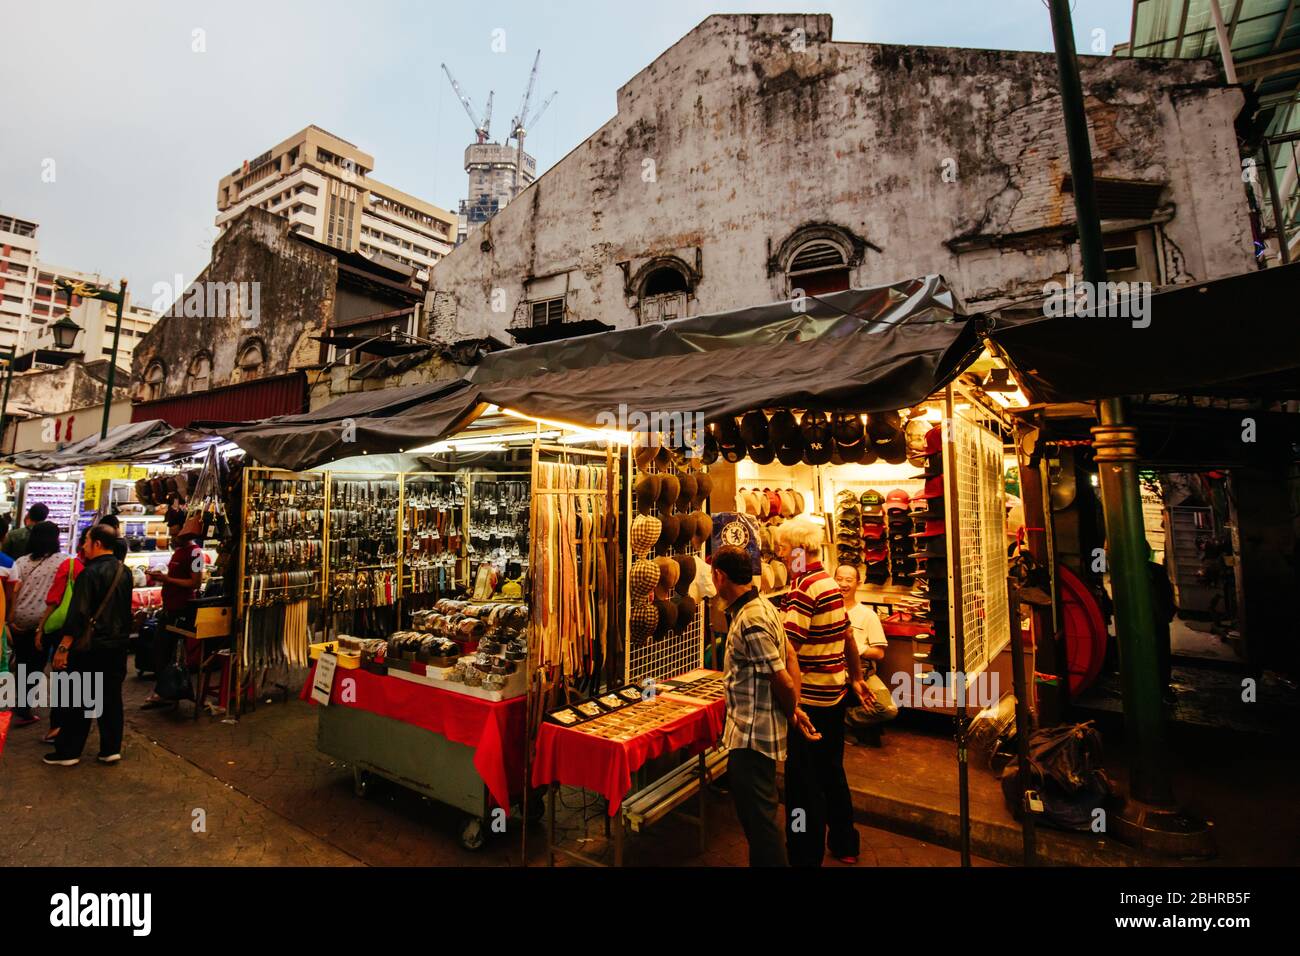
(762, 694)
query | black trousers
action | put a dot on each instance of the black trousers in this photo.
(75, 725)
(751, 776)
(818, 806)
(25, 653)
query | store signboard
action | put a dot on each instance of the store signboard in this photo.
(323, 682)
(96, 475)
(63, 498)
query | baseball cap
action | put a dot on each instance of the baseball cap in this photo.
(872, 502)
(933, 489)
(875, 551)
(818, 440)
(730, 444)
(932, 529)
(850, 437)
(754, 431)
(786, 437)
(897, 500)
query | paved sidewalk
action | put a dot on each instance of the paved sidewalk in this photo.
(271, 798)
(152, 809)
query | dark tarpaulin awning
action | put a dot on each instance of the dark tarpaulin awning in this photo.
(133, 442)
(380, 421)
(1236, 336)
(886, 347)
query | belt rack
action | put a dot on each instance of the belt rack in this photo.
(433, 534)
(497, 521)
(363, 540)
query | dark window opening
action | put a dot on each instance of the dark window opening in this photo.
(664, 282)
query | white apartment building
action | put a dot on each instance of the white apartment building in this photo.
(96, 317)
(322, 185)
(30, 301)
(18, 256)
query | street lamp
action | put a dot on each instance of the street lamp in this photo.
(70, 329)
(65, 333)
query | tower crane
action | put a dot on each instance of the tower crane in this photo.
(481, 126)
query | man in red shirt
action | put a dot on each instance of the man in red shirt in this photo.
(180, 584)
(817, 797)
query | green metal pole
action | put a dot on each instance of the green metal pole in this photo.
(1115, 444)
(4, 405)
(112, 358)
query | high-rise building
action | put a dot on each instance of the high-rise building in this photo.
(492, 184)
(18, 254)
(31, 301)
(322, 185)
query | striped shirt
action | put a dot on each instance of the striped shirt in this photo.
(817, 625)
(755, 652)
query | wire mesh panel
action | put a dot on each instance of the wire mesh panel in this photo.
(981, 542)
(675, 654)
(681, 649)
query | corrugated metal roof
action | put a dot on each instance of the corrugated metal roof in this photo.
(246, 401)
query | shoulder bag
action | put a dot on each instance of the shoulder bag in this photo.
(83, 642)
(60, 613)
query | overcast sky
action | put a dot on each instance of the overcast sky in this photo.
(140, 126)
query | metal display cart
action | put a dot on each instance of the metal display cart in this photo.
(415, 758)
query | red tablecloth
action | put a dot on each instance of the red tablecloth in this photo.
(494, 729)
(575, 759)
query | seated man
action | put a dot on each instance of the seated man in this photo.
(866, 720)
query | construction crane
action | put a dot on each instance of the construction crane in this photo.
(481, 126)
(522, 121)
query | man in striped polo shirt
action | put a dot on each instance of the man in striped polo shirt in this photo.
(762, 696)
(819, 808)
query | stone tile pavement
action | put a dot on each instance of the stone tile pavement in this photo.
(270, 798)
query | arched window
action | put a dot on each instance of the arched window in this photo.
(818, 266)
(817, 259)
(153, 380)
(249, 362)
(664, 287)
(200, 374)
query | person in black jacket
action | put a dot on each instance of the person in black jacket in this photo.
(105, 656)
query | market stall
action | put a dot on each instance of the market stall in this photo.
(144, 473)
(863, 430)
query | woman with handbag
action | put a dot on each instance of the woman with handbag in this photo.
(50, 630)
(31, 577)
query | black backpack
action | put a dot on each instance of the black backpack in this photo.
(1065, 767)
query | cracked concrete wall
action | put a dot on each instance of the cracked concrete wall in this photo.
(735, 137)
(296, 289)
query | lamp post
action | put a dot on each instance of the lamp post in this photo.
(94, 292)
(8, 355)
(1150, 817)
(65, 333)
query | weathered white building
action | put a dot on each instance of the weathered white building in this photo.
(758, 156)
